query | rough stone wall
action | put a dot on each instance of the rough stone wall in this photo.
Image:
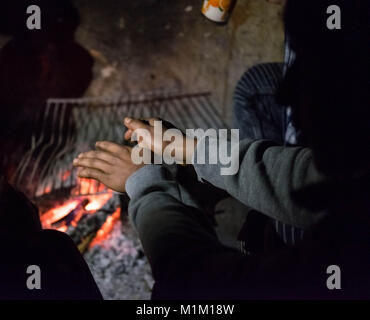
(152, 44)
(146, 45)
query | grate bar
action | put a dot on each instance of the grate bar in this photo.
(72, 126)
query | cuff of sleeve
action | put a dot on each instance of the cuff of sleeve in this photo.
(208, 171)
(139, 180)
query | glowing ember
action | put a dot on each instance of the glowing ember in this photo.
(66, 175)
(47, 189)
(88, 186)
(106, 228)
(96, 202)
(101, 188)
(85, 185)
(55, 214)
(62, 228)
(89, 197)
(58, 213)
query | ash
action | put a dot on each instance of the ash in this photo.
(119, 266)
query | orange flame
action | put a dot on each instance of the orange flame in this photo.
(85, 185)
(88, 186)
(47, 190)
(62, 228)
(57, 213)
(95, 203)
(66, 175)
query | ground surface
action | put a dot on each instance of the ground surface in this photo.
(119, 267)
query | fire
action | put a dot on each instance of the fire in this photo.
(89, 196)
(57, 213)
(101, 188)
(66, 175)
(96, 202)
(47, 189)
(106, 228)
(85, 185)
(89, 186)
(84, 205)
(62, 229)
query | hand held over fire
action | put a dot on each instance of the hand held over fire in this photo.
(162, 138)
(112, 164)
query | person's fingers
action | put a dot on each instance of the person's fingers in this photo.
(90, 173)
(93, 163)
(129, 149)
(151, 120)
(97, 154)
(128, 134)
(165, 124)
(134, 124)
(114, 148)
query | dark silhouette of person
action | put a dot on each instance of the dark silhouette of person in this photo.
(64, 274)
(36, 65)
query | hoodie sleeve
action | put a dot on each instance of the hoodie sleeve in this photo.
(170, 224)
(267, 176)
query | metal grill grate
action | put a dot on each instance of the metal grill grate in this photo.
(71, 126)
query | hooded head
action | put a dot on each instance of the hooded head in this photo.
(328, 86)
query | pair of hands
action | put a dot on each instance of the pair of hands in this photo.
(111, 163)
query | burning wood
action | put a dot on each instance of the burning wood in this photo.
(73, 211)
(73, 216)
(97, 237)
(88, 186)
(57, 213)
(98, 201)
(106, 228)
